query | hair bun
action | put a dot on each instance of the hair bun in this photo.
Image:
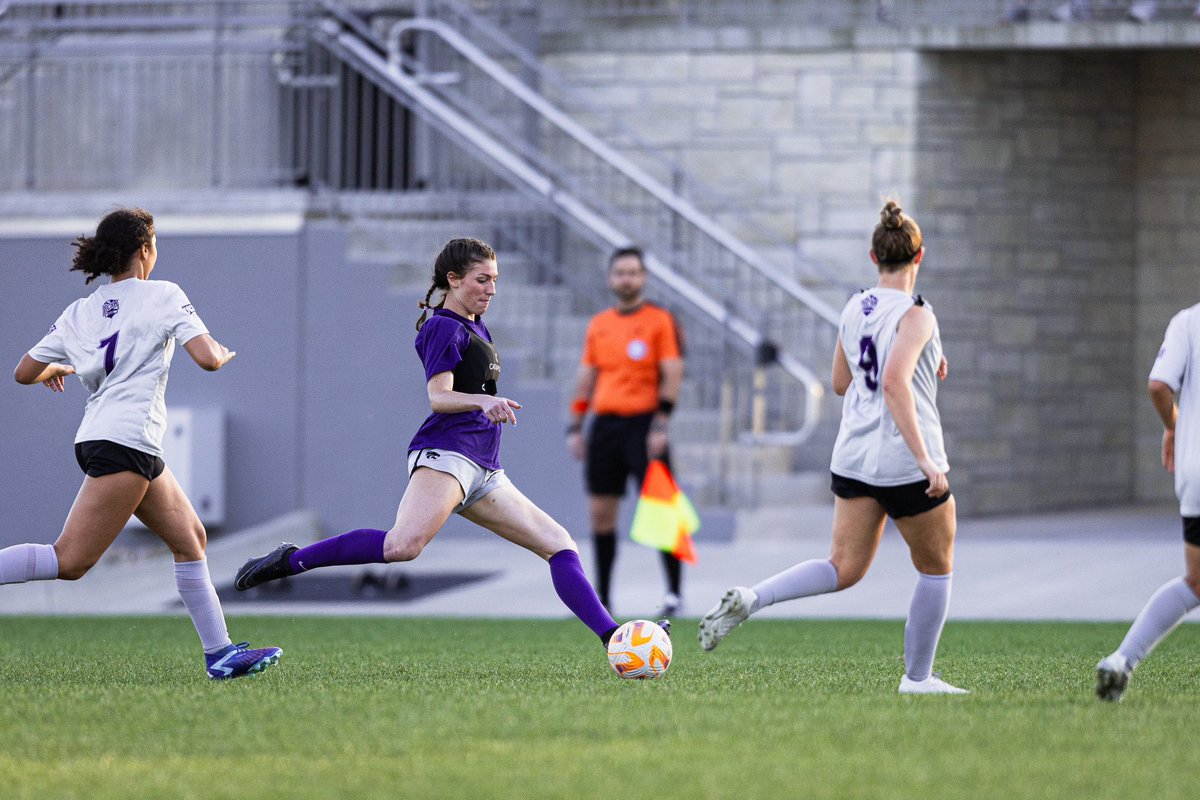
(892, 215)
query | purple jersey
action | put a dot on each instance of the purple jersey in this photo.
(445, 343)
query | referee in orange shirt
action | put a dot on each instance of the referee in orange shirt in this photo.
(629, 379)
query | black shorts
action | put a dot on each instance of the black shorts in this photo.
(102, 457)
(1191, 530)
(616, 449)
(906, 500)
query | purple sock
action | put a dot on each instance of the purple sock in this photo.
(363, 546)
(578, 595)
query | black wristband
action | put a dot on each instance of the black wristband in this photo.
(665, 407)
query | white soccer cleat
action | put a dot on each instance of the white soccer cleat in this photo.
(726, 615)
(670, 605)
(1112, 676)
(931, 685)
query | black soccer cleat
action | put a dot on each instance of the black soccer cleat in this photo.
(665, 624)
(271, 567)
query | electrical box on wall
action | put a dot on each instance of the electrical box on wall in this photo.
(194, 449)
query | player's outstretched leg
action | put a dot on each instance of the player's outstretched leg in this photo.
(1165, 609)
(271, 567)
(733, 609)
(1112, 676)
(237, 660)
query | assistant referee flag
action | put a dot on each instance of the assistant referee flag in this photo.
(664, 518)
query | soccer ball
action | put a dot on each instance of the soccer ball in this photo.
(639, 649)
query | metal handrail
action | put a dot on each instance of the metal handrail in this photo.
(682, 178)
(626, 167)
(814, 388)
(353, 50)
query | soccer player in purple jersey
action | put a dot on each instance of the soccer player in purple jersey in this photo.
(454, 458)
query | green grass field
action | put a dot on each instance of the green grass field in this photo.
(405, 708)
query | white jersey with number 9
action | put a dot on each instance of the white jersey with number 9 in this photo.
(869, 447)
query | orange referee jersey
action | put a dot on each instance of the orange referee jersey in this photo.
(625, 349)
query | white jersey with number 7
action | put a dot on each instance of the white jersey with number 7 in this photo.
(120, 340)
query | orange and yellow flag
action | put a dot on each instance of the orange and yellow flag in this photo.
(664, 518)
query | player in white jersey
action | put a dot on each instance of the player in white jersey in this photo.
(1175, 374)
(888, 460)
(119, 341)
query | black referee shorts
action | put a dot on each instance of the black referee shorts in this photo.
(616, 450)
(102, 457)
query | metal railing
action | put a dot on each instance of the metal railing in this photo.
(227, 94)
(610, 203)
(507, 31)
(582, 16)
(147, 95)
(618, 202)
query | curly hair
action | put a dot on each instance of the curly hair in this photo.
(118, 236)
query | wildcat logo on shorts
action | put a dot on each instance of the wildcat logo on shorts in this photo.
(188, 309)
(433, 455)
(868, 304)
(111, 307)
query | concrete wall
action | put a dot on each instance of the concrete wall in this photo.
(321, 401)
(247, 289)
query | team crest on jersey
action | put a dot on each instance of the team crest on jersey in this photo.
(111, 307)
(868, 304)
(636, 349)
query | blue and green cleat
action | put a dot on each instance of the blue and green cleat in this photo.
(237, 660)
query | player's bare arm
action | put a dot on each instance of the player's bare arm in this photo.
(208, 353)
(841, 369)
(1163, 398)
(444, 400)
(915, 330)
(30, 371)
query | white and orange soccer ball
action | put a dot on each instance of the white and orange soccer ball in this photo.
(639, 649)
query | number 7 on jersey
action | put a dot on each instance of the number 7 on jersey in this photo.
(110, 352)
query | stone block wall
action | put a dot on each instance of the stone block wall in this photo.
(1056, 188)
(1167, 240)
(1027, 179)
(799, 146)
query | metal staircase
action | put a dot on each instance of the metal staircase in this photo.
(414, 120)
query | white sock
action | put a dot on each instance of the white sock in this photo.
(805, 579)
(200, 599)
(926, 616)
(28, 562)
(1165, 609)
